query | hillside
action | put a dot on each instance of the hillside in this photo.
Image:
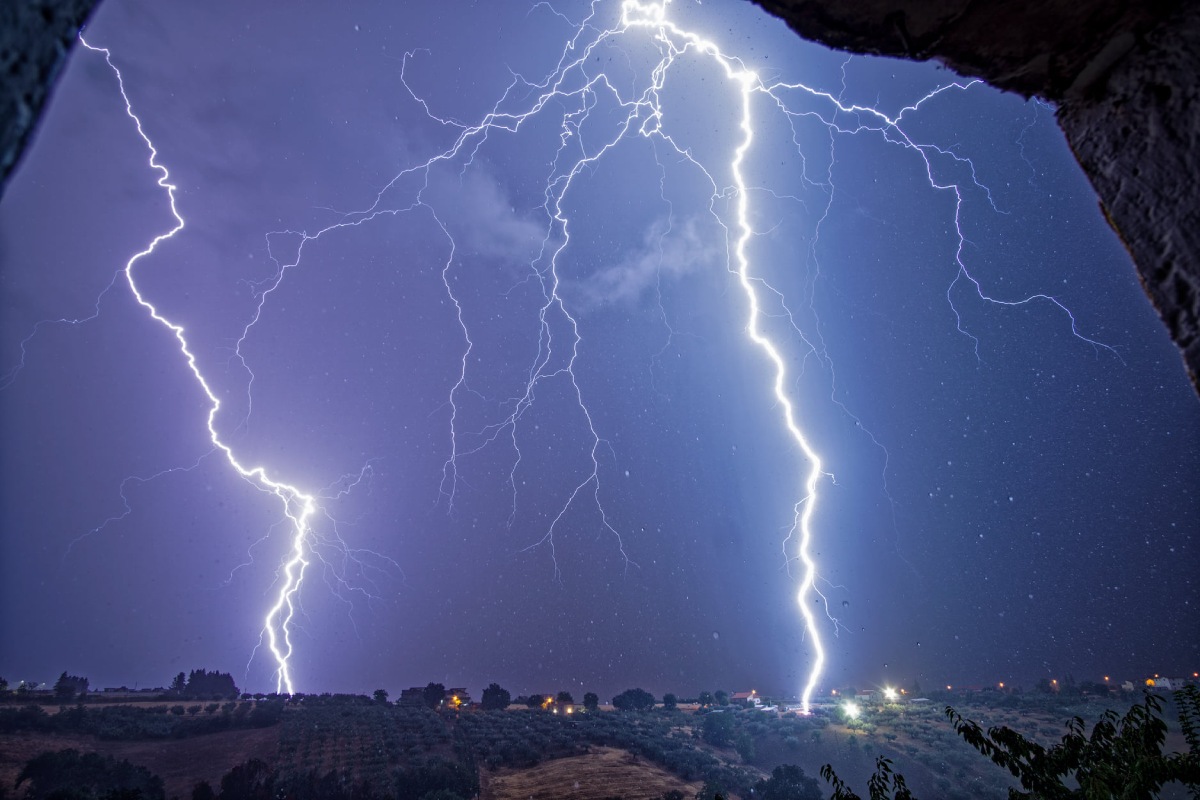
(351, 743)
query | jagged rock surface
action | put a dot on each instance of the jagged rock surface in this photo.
(35, 37)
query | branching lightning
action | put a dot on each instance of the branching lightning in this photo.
(299, 507)
(573, 90)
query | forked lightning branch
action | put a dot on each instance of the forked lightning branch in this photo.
(567, 95)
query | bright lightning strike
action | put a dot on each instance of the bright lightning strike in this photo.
(298, 506)
(573, 90)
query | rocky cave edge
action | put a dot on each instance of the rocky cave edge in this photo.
(1122, 74)
(1123, 77)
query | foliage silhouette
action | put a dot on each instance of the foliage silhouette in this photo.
(70, 774)
(495, 698)
(1121, 759)
(633, 700)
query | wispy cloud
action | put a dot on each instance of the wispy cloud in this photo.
(667, 252)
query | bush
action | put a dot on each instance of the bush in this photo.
(717, 728)
(68, 774)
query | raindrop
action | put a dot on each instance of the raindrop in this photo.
(845, 604)
(716, 635)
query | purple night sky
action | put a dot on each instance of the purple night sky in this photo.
(1003, 499)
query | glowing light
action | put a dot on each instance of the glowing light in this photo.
(747, 83)
(851, 710)
(576, 81)
(892, 695)
(298, 506)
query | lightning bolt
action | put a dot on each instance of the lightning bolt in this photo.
(575, 88)
(654, 17)
(298, 506)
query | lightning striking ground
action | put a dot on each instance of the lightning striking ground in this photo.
(574, 90)
(299, 507)
(570, 94)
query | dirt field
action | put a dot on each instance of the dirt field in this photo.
(605, 772)
(180, 763)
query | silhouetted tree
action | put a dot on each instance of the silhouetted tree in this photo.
(722, 697)
(381, 696)
(179, 686)
(717, 728)
(633, 700)
(591, 701)
(745, 747)
(1122, 758)
(788, 782)
(706, 698)
(69, 774)
(68, 686)
(495, 698)
(670, 701)
(253, 780)
(202, 683)
(433, 694)
(564, 699)
(535, 700)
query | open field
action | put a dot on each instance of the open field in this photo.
(605, 772)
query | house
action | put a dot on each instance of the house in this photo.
(412, 697)
(456, 698)
(749, 699)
